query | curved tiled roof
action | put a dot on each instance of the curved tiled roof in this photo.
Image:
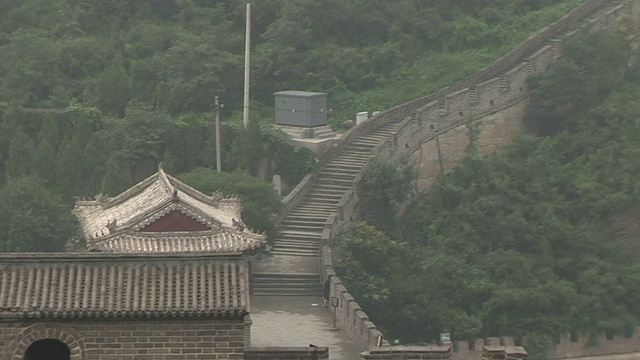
(86, 285)
(114, 223)
(178, 242)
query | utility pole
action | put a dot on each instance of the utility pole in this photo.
(217, 106)
(247, 62)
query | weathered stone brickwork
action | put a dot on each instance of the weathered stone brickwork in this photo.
(495, 99)
(139, 339)
(585, 345)
(287, 353)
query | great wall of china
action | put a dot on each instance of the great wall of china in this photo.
(494, 97)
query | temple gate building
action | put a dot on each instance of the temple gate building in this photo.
(104, 306)
(164, 215)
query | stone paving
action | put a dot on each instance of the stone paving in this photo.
(286, 264)
(297, 321)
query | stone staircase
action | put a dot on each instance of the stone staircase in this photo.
(301, 228)
(280, 284)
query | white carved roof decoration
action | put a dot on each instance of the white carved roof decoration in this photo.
(180, 242)
(149, 200)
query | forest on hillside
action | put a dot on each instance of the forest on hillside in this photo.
(526, 242)
(95, 93)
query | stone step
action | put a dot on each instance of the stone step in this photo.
(287, 222)
(307, 244)
(357, 159)
(325, 194)
(288, 252)
(353, 168)
(286, 284)
(319, 227)
(318, 208)
(319, 199)
(362, 143)
(316, 214)
(295, 250)
(324, 179)
(300, 234)
(336, 175)
(331, 187)
(354, 153)
(304, 219)
(329, 191)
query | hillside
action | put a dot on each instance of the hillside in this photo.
(100, 92)
(174, 56)
(530, 242)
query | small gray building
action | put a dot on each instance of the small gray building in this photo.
(301, 108)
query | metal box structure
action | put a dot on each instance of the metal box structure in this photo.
(301, 108)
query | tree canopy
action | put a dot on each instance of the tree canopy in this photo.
(33, 219)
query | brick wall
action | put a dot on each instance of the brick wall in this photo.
(585, 345)
(145, 339)
(287, 353)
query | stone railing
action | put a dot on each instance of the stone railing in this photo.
(409, 108)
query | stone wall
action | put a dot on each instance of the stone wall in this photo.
(145, 339)
(487, 108)
(485, 349)
(287, 353)
(495, 70)
(350, 317)
(584, 345)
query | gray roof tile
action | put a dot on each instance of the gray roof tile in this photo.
(90, 285)
(152, 198)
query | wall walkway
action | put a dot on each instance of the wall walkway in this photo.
(495, 97)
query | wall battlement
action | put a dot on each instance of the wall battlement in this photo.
(486, 107)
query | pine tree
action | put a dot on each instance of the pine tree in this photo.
(112, 182)
(114, 89)
(95, 160)
(247, 149)
(19, 156)
(12, 119)
(44, 162)
(49, 131)
(33, 219)
(70, 168)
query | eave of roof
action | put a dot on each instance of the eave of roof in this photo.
(134, 207)
(97, 285)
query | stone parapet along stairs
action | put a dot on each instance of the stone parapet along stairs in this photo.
(286, 284)
(297, 250)
(301, 228)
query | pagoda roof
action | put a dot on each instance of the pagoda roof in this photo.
(118, 223)
(178, 242)
(92, 285)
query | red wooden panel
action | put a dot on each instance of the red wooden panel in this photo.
(175, 221)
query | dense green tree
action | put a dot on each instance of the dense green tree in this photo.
(260, 202)
(247, 149)
(20, 154)
(49, 131)
(385, 186)
(95, 157)
(33, 218)
(521, 242)
(114, 89)
(112, 183)
(45, 163)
